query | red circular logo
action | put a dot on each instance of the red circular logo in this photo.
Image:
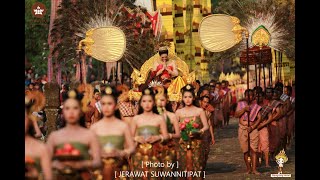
(38, 10)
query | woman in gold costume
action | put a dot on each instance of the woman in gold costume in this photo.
(170, 146)
(193, 123)
(149, 130)
(75, 149)
(37, 158)
(113, 135)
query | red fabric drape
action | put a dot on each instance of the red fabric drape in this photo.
(154, 21)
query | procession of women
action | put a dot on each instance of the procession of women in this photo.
(133, 89)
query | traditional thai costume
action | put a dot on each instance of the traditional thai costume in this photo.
(284, 119)
(263, 132)
(291, 117)
(191, 154)
(242, 131)
(113, 165)
(147, 153)
(207, 139)
(169, 153)
(69, 173)
(273, 128)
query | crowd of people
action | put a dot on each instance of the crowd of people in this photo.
(103, 132)
(113, 132)
(268, 117)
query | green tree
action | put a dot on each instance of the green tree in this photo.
(36, 36)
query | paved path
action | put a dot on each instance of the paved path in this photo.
(226, 159)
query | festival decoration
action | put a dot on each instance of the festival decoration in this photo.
(106, 44)
(219, 32)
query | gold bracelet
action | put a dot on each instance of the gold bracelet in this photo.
(201, 131)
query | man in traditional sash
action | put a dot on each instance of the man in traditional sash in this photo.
(208, 136)
(275, 108)
(226, 102)
(285, 101)
(218, 105)
(245, 107)
(262, 127)
(290, 114)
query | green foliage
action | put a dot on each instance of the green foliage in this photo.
(189, 129)
(36, 36)
(184, 135)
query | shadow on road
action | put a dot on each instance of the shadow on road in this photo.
(220, 167)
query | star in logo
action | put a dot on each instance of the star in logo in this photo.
(38, 11)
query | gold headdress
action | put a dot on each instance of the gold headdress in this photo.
(163, 48)
(72, 94)
(188, 87)
(164, 45)
(147, 92)
(108, 90)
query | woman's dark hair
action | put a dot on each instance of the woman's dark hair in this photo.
(204, 97)
(111, 92)
(201, 89)
(95, 91)
(148, 92)
(189, 88)
(247, 91)
(164, 51)
(279, 86)
(257, 89)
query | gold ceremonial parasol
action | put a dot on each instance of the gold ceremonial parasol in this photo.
(219, 32)
(106, 44)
